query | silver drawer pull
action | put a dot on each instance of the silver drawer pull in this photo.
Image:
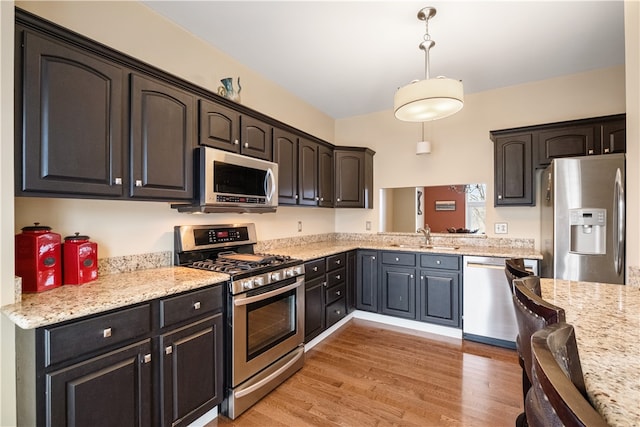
(337, 277)
(338, 312)
(246, 145)
(236, 142)
(106, 333)
(147, 358)
(315, 268)
(338, 261)
(168, 350)
(338, 293)
(117, 181)
(438, 262)
(138, 183)
(196, 305)
(397, 259)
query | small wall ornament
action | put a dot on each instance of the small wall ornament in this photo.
(227, 90)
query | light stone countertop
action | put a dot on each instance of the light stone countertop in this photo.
(106, 293)
(607, 322)
(321, 249)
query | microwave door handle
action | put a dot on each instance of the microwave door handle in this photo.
(269, 184)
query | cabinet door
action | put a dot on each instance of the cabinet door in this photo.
(367, 284)
(191, 372)
(398, 291)
(325, 177)
(514, 171)
(218, 126)
(349, 172)
(285, 154)
(439, 297)
(72, 115)
(109, 390)
(314, 308)
(255, 138)
(566, 142)
(614, 137)
(162, 128)
(307, 173)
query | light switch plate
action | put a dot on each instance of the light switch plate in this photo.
(500, 228)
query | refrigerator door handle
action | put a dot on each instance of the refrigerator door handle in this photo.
(619, 222)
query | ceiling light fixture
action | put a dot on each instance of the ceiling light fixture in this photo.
(428, 99)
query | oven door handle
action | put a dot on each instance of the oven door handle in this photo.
(237, 301)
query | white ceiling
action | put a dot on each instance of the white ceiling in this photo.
(348, 58)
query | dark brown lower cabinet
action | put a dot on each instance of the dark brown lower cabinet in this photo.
(158, 363)
(113, 389)
(189, 386)
(439, 297)
(398, 291)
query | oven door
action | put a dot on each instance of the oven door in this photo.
(266, 326)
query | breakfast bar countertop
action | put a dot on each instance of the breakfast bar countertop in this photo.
(106, 293)
(607, 322)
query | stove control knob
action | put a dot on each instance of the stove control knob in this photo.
(247, 284)
(258, 281)
(275, 276)
(291, 272)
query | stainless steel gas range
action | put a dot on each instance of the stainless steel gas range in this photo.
(264, 334)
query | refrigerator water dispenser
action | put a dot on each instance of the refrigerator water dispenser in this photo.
(588, 231)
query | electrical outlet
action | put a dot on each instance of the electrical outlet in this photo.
(500, 228)
(299, 226)
(368, 225)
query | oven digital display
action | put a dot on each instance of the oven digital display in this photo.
(210, 236)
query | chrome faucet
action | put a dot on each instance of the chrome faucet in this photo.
(427, 233)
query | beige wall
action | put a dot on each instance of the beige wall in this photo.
(7, 354)
(462, 151)
(461, 148)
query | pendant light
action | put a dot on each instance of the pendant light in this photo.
(428, 99)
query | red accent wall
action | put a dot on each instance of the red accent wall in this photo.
(439, 221)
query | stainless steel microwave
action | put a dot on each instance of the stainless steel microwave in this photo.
(229, 182)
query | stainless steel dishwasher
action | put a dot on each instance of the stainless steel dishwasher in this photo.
(488, 314)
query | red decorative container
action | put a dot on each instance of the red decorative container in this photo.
(80, 260)
(38, 258)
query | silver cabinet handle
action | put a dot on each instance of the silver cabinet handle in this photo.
(106, 333)
(590, 151)
(315, 268)
(397, 259)
(296, 197)
(322, 199)
(338, 199)
(147, 358)
(138, 183)
(246, 145)
(337, 277)
(338, 293)
(373, 258)
(438, 262)
(317, 198)
(606, 150)
(338, 261)
(499, 196)
(411, 276)
(117, 181)
(196, 305)
(168, 350)
(324, 284)
(236, 142)
(421, 277)
(338, 312)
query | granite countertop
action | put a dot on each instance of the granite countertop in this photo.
(321, 249)
(607, 322)
(106, 293)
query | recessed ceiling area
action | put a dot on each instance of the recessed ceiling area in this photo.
(348, 58)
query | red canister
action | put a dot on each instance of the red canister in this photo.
(80, 260)
(38, 258)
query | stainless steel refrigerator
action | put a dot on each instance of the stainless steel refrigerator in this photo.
(583, 219)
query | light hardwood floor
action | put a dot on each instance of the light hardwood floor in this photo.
(368, 374)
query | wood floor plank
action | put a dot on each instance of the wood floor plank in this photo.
(368, 374)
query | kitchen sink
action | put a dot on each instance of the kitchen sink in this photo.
(434, 247)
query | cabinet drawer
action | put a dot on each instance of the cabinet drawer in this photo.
(183, 307)
(399, 258)
(332, 294)
(78, 338)
(336, 277)
(335, 311)
(336, 261)
(447, 262)
(313, 269)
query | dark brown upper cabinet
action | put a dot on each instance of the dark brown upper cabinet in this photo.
(70, 109)
(514, 170)
(162, 134)
(224, 128)
(519, 151)
(285, 154)
(307, 172)
(325, 177)
(353, 177)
